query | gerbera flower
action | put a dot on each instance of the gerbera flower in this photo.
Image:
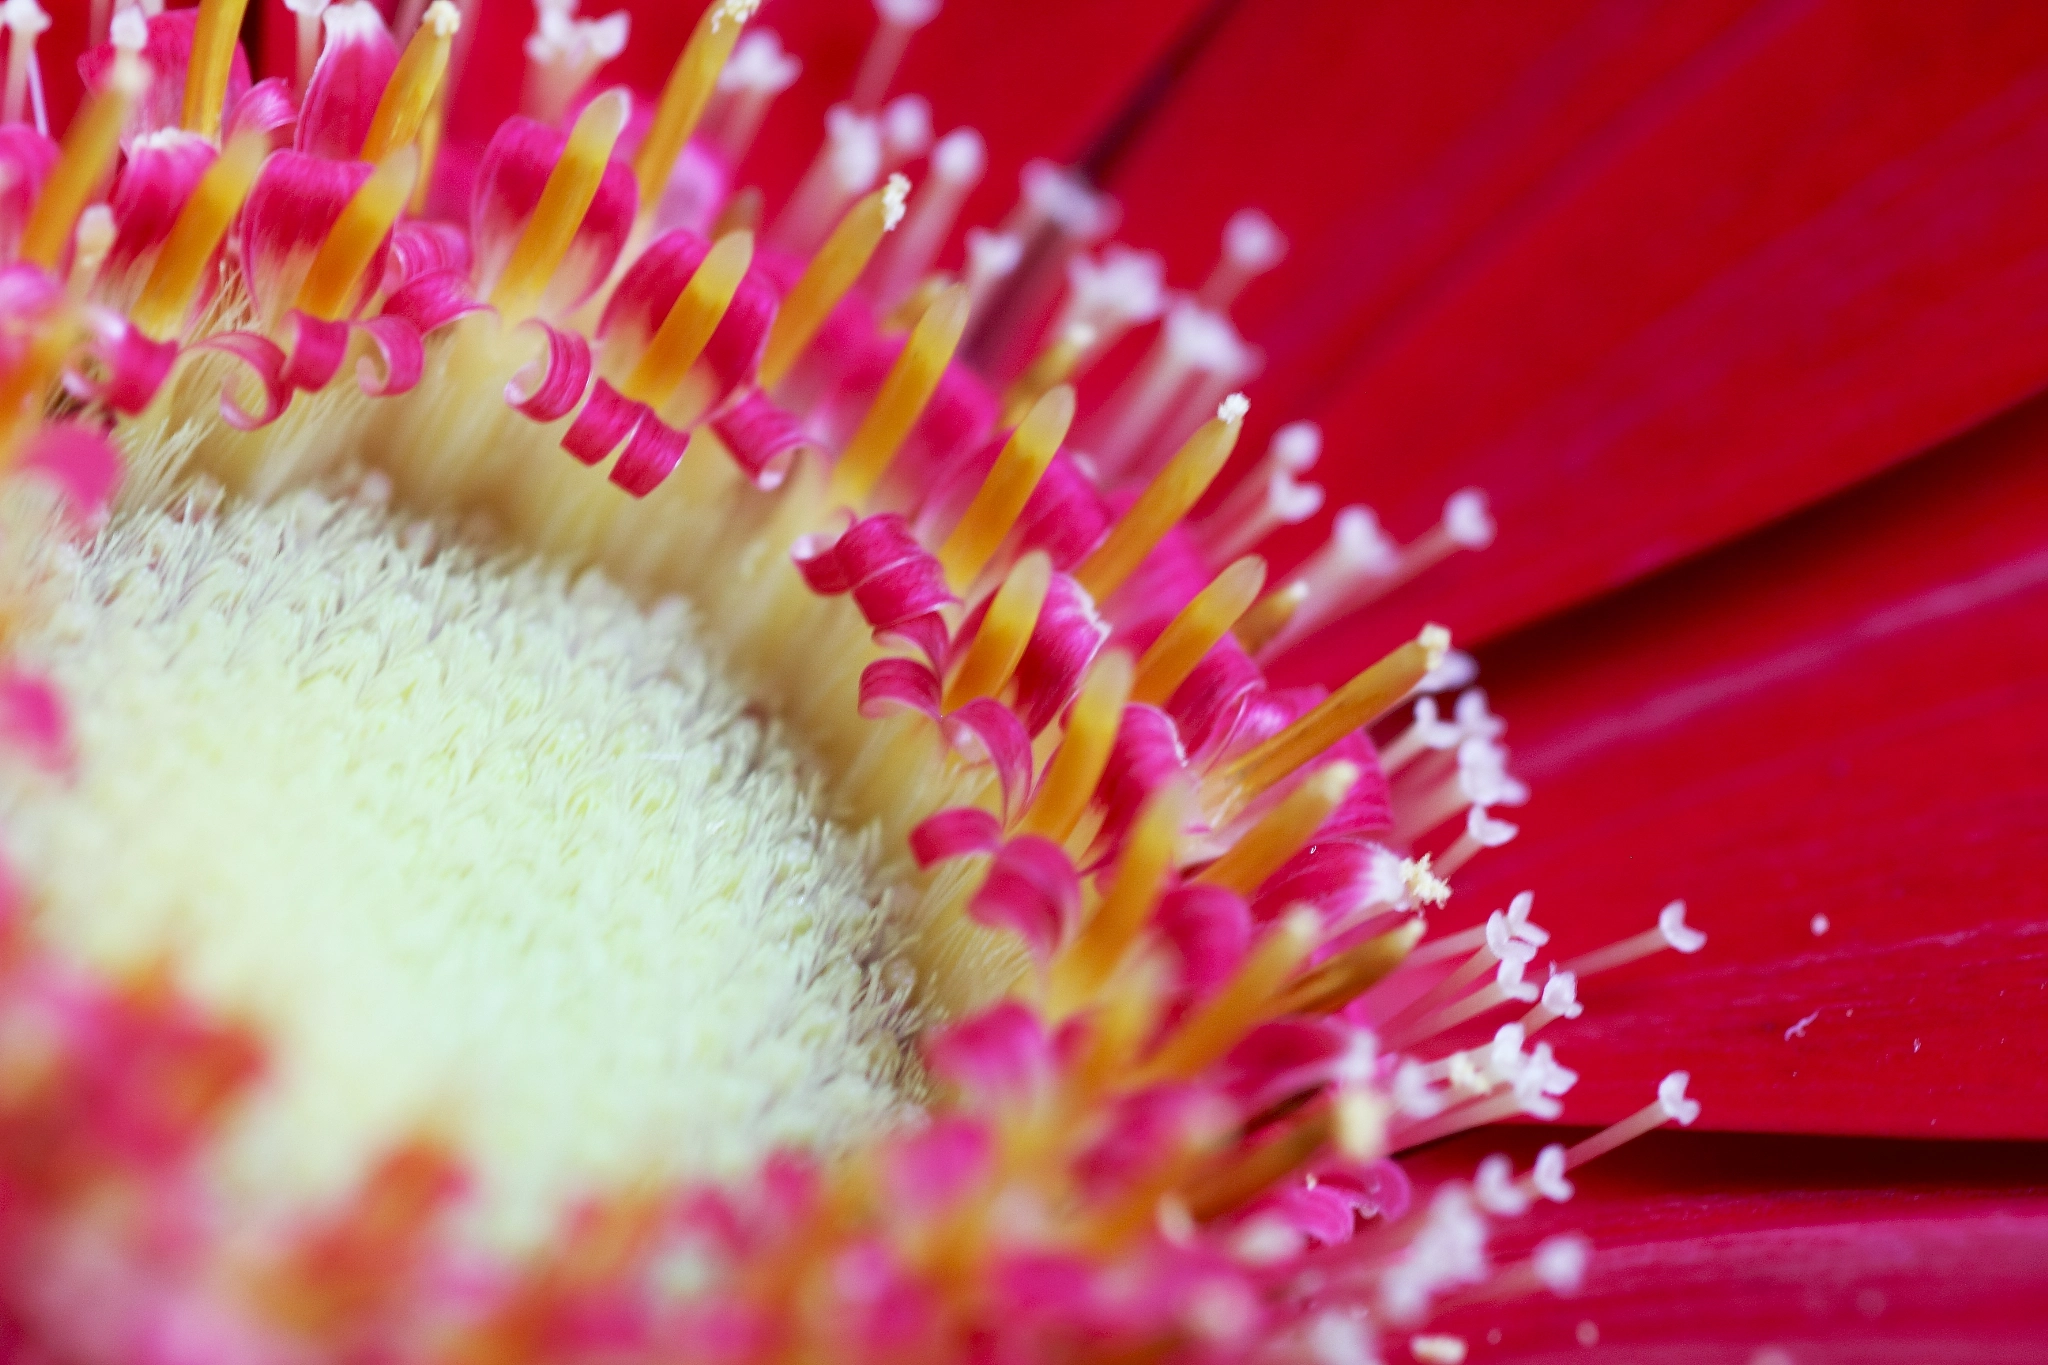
(744, 785)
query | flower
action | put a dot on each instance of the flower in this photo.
(1173, 1014)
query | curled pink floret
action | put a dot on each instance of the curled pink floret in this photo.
(549, 388)
(1146, 755)
(266, 363)
(1063, 644)
(895, 582)
(81, 462)
(955, 833)
(290, 212)
(266, 109)
(317, 349)
(1208, 706)
(650, 287)
(355, 65)
(432, 299)
(509, 182)
(126, 367)
(157, 179)
(764, 440)
(422, 248)
(401, 357)
(653, 448)
(998, 1057)
(1031, 890)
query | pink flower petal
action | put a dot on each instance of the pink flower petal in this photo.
(267, 109)
(607, 418)
(421, 248)
(1032, 891)
(1000, 1056)
(401, 357)
(955, 834)
(655, 280)
(549, 389)
(432, 299)
(509, 182)
(81, 462)
(266, 362)
(356, 62)
(762, 438)
(316, 353)
(155, 182)
(130, 367)
(987, 730)
(1209, 931)
(291, 210)
(26, 157)
(652, 454)
(1062, 645)
(167, 53)
(889, 685)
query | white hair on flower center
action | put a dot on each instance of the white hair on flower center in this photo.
(479, 850)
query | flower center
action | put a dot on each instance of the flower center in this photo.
(482, 852)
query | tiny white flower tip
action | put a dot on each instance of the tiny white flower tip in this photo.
(1486, 831)
(1438, 1349)
(1457, 669)
(1493, 1185)
(606, 38)
(961, 155)
(25, 18)
(992, 255)
(1680, 935)
(130, 31)
(895, 196)
(734, 12)
(1297, 446)
(759, 63)
(1233, 409)
(1548, 1177)
(1292, 502)
(1363, 546)
(1561, 995)
(1252, 241)
(907, 13)
(1204, 340)
(442, 18)
(1467, 520)
(1436, 645)
(907, 125)
(1560, 1262)
(1671, 1095)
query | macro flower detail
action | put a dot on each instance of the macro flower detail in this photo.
(598, 763)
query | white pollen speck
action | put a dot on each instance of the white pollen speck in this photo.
(130, 31)
(479, 849)
(443, 18)
(1588, 1333)
(1233, 408)
(1771, 1355)
(1437, 1349)
(1819, 925)
(1798, 1030)
(895, 195)
(1436, 643)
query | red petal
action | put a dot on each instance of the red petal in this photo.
(1842, 718)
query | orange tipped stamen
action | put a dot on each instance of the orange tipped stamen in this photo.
(1359, 702)
(1005, 631)
(691, 320)
(180, 265)
(571, 188)
(690, 84)
(1162, 505)
(1196, 631)
(1337, 982)
(412, 93)
(337, 269)
(87, 156)
(1247, 1000)
(1284, 832)
(1072, 776)
(827, 278)
(1007, 488)
(910, 385)
(1140, 878)
(214, 38)
(1263, 623)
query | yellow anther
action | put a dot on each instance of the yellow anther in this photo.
(691, 320)
(1160, 507)
(1077, 768)
(1140, 878)
(1263, 623)
(571, 188)
(1005, 631)
(1283, 832)
(1196, 631)
(214, 39)
(87, 156)
(430, 149)
(1359, 702)
(411, 94)
(912, 381)
(1009, 485)
(1244, 1002)
(689, 88)
(337, 269)
(1343, 978)
(823, 284)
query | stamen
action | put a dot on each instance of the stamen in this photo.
(1247, 1174)
(1077, 768)
(1358, 703)
(1008, 487)
(1283, 832)
(906, 126)
(1140, 878)
(957, 164)
(1244, 1002)
(1267, 621)
(691, 321)
(1195, 344)
(1197, 630)
(1670, 1106)
(307, 14)
(416, 83)
(1560, 1000)
(1294, 448)
(564, 52)
(690, 83)
(1361, 564)
(1162, 505)
(848, 164)
(88, 154)
(331, 280)
(1348, 975)
(24, 21)
(900, 19)
(1671, 932)
(754, 75)
(180, 266)
(827, 278)
(1005, 631)
(912, 381)
(94, 239)
(1287, 502)
(213, 51)
(571, 188)
(1252, 245)
(1481, 831)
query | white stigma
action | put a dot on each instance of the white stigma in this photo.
(854, 145)
(1561, 995)
(1297, 446)
(1233, 409)
(1467, 521)
(443, 18)
(1560, 1263)
(24, 19)
(1671, 1097)
(354, 22)
(1252, 242)
(1488, 832)
(479, 851)
(961, 156)
(906, 13)
(1680, 935)
(760, 64)
(895, 201)
(1548, 1176)
(1455, 670)
(1121, 290)
(733, 12)
(907, 127)
(1436, 645)
(1493, 1185)
(129, 31)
